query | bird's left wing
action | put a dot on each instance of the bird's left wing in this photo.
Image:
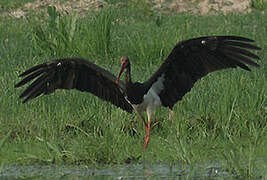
(73, 73)
(194, 58)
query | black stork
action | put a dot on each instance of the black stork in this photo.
(188, 61)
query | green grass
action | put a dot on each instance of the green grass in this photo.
(222, 119)
(259, 4)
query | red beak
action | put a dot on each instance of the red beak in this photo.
(120, 73)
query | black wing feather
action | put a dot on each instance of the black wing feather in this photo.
(73, 73)
(192, 59)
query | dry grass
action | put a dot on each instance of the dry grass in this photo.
(202, 7)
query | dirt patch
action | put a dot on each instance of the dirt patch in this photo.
(202, 7)
(80, 6)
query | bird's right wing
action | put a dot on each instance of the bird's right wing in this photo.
(73, 73)
(192, 59)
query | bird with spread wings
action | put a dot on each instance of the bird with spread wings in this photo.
(189, 61)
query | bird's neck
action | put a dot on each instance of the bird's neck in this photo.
(128, 79)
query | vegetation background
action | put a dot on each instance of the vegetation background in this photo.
(222, 120)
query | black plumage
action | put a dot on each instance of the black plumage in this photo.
(192, 59)
(188, 61)
(73, 73)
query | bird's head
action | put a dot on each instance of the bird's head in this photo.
(125, 64)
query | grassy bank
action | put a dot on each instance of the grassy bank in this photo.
(222, 119)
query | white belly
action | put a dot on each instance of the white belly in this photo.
(151, 99)
(150, 103)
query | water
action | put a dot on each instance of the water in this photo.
(138, 171)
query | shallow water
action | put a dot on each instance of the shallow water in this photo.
(139, 171)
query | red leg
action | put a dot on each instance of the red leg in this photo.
(149, 114)
(147, 126)
(147, 135)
